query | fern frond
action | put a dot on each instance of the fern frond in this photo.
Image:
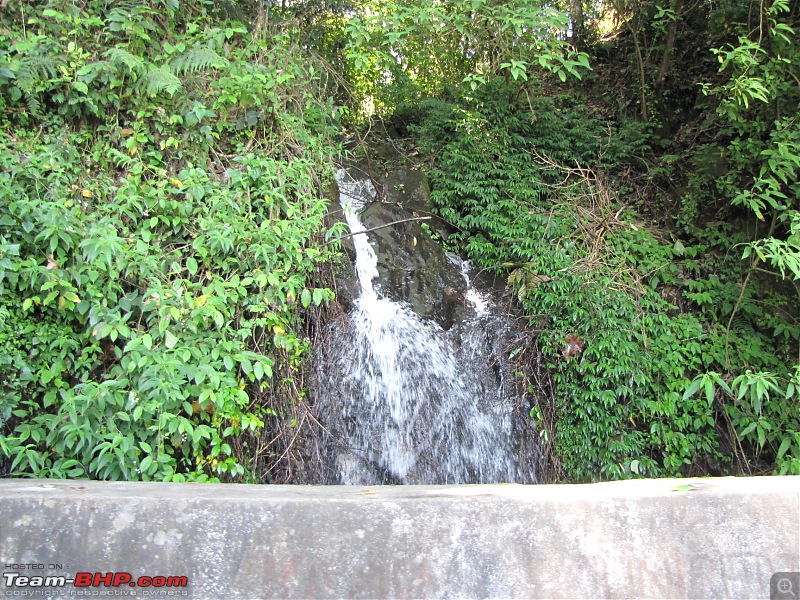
(119, 14)
(34, 70)
(120, 159)
(120, 56)
(742, 325)
(197, 58)
(160, 79)
(34, 106)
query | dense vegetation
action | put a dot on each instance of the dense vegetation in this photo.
(159, 233)
(164, 251)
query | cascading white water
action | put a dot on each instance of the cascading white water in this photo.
(406, 401)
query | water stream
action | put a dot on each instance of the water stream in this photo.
(406, 401)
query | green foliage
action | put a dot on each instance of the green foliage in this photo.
(395, 47)
(584, 269)
(758, 104)
(160, 205)
(762, 408)
(541, 192)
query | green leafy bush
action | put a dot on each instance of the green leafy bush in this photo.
(161, 197)
(647, 314)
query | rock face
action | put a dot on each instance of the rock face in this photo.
(413, 268)
(410, 189)
(413, 385)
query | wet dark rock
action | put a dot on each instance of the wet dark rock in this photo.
(409, 188)
(413, 267)
(346, 283)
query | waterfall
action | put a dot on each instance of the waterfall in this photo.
(404, 400)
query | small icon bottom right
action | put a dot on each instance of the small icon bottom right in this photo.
(784, 585)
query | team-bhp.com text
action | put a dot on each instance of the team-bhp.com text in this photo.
(94, 580)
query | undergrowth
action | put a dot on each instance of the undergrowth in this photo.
(161, 176)
(629, 316)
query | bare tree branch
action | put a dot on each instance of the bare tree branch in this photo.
(380, 227)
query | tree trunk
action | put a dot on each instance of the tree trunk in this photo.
(669, 46)
(578, 30)
(644, 112)
(632, 25)
(262, 18)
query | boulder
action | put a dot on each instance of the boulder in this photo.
(413, 267)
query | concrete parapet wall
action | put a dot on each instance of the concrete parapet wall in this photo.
(719, 538)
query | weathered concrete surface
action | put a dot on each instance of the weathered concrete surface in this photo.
(643, 539)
